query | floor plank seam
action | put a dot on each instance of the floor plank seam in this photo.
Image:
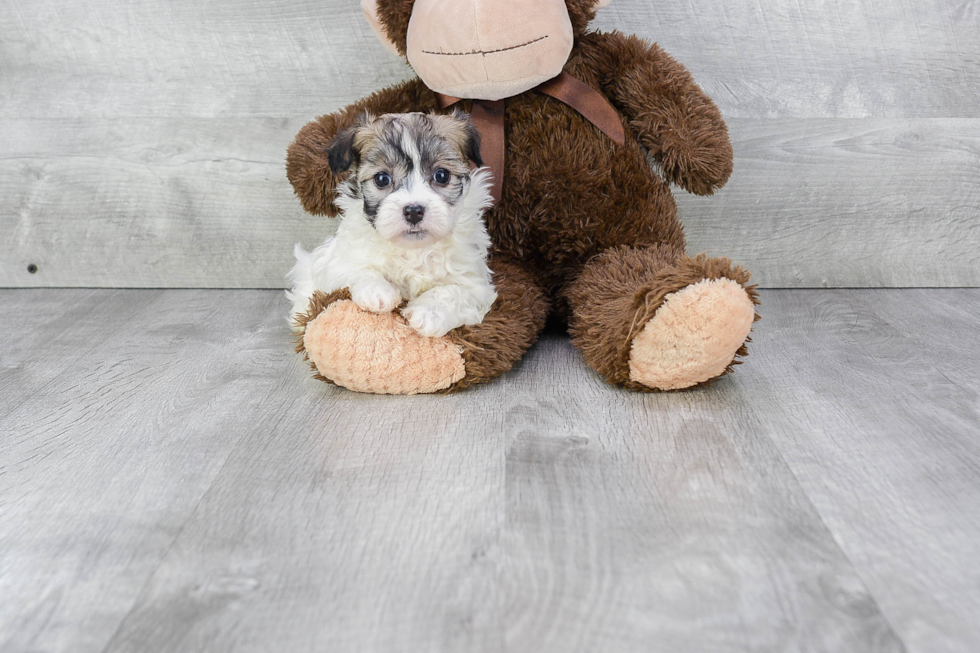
(840, 548)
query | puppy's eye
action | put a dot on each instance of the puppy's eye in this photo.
(441, 176)
(382, 179)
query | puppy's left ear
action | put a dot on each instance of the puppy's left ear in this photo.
(471, 137)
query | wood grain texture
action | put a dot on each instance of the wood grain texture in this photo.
(150, 203)
(847, 203)
(229, 58)
(877, 409)
(361, 524)
(118, 409)
(662, 523)
(142, 144)
(204, 202)
(831, 59)
(759, 58)
(171, 479)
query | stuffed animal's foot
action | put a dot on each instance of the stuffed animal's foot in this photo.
(694, 335)
(379, 352)
(655, 319)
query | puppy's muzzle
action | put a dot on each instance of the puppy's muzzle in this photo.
(414, 213)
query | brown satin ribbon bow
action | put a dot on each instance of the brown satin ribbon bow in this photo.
(488, 118)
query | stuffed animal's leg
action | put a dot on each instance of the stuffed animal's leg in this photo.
(653, 318)
(381, 353)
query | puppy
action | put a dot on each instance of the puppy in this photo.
(411, 225)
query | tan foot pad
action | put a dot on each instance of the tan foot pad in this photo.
(379, 352)
(693, 336)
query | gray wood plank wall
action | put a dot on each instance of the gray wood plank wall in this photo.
(142, 144)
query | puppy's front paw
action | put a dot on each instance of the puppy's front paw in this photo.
(428, 321)
(375, 296)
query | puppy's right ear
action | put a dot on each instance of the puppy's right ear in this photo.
(343, 151)
(313, 164)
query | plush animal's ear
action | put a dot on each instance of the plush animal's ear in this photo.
(370, 9)
(342, 152)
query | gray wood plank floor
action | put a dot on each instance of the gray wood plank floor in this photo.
(171, 479)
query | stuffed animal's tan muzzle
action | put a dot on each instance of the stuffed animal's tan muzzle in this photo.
(488, 49)
(483, 49)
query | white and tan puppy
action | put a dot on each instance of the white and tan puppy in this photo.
(411, 225)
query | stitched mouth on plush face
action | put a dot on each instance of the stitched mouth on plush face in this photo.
(486, 52)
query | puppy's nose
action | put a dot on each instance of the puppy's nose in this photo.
(414, 213)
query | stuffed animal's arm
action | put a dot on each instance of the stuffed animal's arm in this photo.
(307, 165)
(678, 124)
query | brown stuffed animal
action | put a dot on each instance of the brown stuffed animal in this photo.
(583, 227)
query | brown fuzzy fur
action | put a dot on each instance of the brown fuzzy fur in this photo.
(619, 291)
(572, 196)
(509, 329)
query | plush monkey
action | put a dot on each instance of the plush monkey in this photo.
(584, 228)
